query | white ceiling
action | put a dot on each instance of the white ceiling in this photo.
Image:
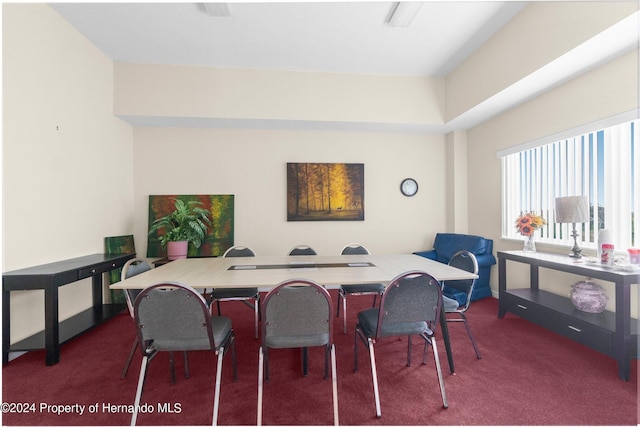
(331, 36)
(344, 37)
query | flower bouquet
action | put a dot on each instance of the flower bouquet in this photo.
(527, 224)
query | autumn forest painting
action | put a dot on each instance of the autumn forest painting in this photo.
(325, 192)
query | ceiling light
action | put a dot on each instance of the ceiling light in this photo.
(219, 10)
(402, 14)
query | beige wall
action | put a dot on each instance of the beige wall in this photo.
(603, 92)
(205, 92)
(252, 166)
(62, 143)
(67, 167)
(539, 34)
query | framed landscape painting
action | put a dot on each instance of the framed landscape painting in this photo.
(325, 192)
(220, 234)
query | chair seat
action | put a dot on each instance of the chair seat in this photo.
(221, 329)
(363, 289)
(234, 293)
(368, 321)
(297, 341)
(449, 305)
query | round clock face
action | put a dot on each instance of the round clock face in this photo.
(409, 187)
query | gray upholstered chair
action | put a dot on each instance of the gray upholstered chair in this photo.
(175, 317)
(410, 306)
(302, 250)
(129, 269)
(464, 260)
(239, 294)
(297, 314)
(374, 289)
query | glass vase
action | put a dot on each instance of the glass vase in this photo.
(529, 244)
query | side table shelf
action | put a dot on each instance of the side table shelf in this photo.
(612, 333)
(49, 277)
(72, 327)
(558, 314)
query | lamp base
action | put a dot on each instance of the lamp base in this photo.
(576, 251)
(576, 254)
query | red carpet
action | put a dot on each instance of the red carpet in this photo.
(527, 376)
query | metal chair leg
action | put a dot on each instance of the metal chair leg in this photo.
(125, 369)
(216, 401)
(141, 378)
(256, 316)
(374, 374)
(260, 383)
(186, 365)
(172, 367)
(473, 342)
(445, 403)
(334, 384)
(344, 313)
(305, 361)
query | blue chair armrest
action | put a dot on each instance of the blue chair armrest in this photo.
(485, 259)
(428, 254)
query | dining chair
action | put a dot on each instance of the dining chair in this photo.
(464, 260)
(129, 269)
(410, 305)
(302, 250)
(175, 317)
(238, 294)
(297, 314)
(374, 289)
(132, 268)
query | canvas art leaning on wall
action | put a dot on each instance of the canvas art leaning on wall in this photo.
(219, 235)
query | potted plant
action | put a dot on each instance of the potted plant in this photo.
(188, 223)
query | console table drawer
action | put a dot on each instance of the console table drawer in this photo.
(592, 336)
(527, 309)
(97, 269)
(558, 315)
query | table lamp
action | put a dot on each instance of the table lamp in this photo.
(573, 209)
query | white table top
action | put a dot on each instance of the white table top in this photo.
(268, 271)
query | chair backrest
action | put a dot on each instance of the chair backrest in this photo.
(302, 250)
(297, 313)
(129, 269)
(412, 300)
(238, 251)
(175, 317)
(464, 260)
(354, 249)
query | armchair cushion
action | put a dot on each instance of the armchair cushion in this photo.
(446, 245)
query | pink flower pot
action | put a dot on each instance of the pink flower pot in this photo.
(177, 250)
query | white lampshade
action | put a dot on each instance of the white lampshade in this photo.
(572, 209)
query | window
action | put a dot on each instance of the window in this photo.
(602, 164)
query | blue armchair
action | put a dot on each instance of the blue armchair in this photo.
(447, 244)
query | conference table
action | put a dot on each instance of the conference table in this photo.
(266, 272)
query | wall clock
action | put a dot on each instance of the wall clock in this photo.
(409, 187)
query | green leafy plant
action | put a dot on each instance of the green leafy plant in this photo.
(187, 222)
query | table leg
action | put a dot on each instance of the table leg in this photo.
(447, 341)
(6, 326)
(502, 286)
(622, 338)
(51, 327)
(96, 282)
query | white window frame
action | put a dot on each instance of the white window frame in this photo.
(560, 165)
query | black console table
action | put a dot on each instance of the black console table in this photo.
(49, 277)
(614, 334)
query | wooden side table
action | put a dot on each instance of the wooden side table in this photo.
(614, 334)
(49, 277)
